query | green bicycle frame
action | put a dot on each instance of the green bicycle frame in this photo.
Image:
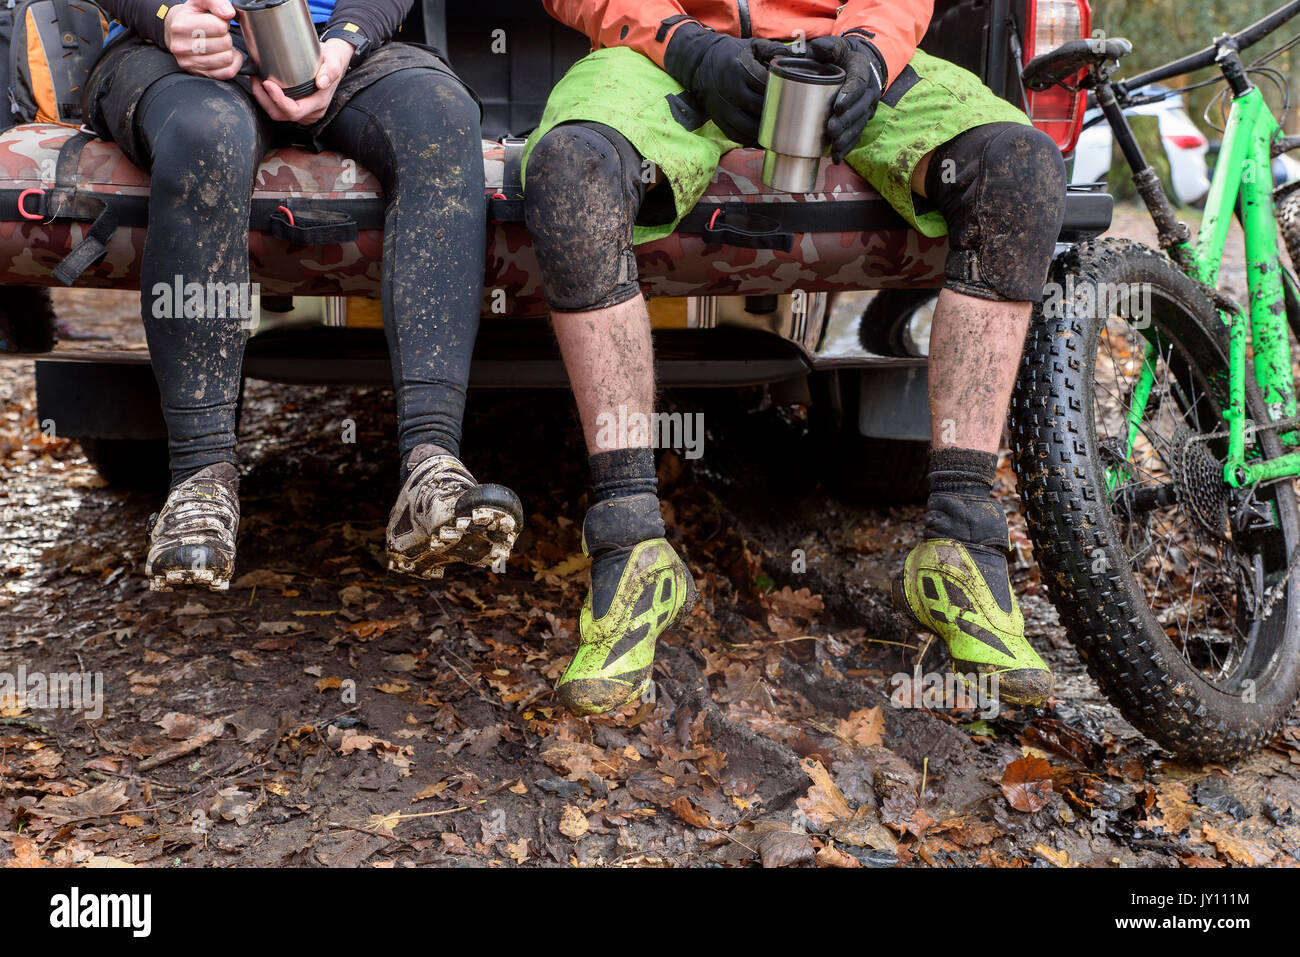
(1243, 173)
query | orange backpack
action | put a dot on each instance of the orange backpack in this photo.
(54, 45)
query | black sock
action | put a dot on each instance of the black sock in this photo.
(961, 507)
(611, 529)
(961, 504)
(964, 471)
(620, 473)
(625, 512)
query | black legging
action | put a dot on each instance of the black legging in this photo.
(418, 131)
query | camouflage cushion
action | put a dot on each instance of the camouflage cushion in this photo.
(679, 265)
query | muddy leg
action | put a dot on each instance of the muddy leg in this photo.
(975, 347)
(610, 359)
(204, 142)
(418, 131)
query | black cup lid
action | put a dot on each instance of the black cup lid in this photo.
(807, 70)
(257, 4)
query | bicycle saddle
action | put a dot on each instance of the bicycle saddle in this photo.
(1069, 58)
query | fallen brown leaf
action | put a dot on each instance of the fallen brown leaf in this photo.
(689, 813)
(1059, 858)
(1176, 808)
(832, 856)
(200, 735)
(454, 843)
(1237, 849)
(1027, 784)
(864, 728)
(824, 803)
(573, 823)
(518, 851)
(785, 848)
(99, 801)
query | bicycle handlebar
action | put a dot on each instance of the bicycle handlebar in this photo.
(1203, 58)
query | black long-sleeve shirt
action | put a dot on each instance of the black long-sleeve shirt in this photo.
(378, 20)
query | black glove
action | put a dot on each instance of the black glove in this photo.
(726, 73)
(855, 104)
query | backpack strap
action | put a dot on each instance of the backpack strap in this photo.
(67, 24)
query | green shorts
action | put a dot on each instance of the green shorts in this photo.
(928, 104)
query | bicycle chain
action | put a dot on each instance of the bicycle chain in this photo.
(1291, 423)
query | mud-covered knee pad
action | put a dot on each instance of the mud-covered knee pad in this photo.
(1001, 189)
(583, 190)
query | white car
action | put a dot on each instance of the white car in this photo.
(1185, 145)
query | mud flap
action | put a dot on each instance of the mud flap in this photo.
(894, 403)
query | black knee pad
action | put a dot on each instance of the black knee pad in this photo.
(583, 189)
(1001, 189)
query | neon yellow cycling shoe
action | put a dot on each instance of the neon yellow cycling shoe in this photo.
(962, 593)
(638, 590)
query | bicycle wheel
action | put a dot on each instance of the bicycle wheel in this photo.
(1171, 586)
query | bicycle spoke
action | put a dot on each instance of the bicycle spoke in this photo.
(1158, 540)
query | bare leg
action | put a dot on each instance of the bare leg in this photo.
(975, 347)
(610, 359)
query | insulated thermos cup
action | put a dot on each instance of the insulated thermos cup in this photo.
(282, 43)
(792, 130)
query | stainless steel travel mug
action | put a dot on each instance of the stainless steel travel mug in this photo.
(282, 42)
(792, 130)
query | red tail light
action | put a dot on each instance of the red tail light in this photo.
(1057, 112)
(1186, 141)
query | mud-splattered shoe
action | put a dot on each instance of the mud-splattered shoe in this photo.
(443, 516)
(638, 589)
(192, 540)
(962, 593)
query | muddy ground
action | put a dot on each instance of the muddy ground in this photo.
(326, 712)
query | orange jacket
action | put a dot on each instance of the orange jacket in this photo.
(898, 25)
